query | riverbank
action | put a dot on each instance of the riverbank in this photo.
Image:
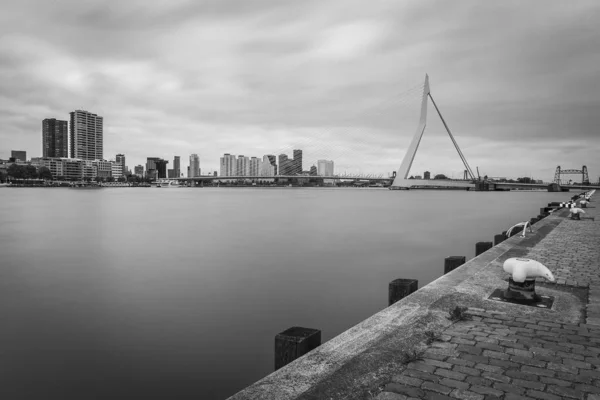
(502, 349)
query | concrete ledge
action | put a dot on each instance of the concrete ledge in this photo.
(368, 353)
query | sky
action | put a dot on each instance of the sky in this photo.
(516, 82)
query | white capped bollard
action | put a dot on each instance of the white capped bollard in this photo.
(521, 284)
(575, 213)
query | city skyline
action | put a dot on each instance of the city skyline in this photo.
(330, 71)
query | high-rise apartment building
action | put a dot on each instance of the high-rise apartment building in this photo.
(19, 155)
(86, 132)
(177, 166)
(427, 175)
(228, 165)
(139, 170)
(284, 162)
(242, 166)
(194, 165)
(55, 139)
(325, 168)
(254, 166)
(297, 163)
(289, 166)
(268, 166)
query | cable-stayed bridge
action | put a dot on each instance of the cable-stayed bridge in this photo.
(400, 179)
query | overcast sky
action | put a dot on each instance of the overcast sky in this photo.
(517, 82)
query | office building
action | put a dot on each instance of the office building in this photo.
(18, 155)
(156, 167)
(161, 168)
(55, 139)
(427, 175)
(138, 170)
(194, 165)
(121, 161)
(325, 168)
(177, 167)
(86, 133)
(228, 165)
(313, 171)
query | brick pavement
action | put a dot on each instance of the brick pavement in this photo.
(498, 356)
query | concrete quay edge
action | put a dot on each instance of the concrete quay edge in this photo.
(360, 362)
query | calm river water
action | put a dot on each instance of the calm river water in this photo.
(126, 293)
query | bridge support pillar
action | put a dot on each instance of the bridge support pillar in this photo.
(400, 288)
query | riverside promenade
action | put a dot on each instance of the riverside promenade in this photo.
(496, 350)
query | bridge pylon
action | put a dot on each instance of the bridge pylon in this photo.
(400, 180)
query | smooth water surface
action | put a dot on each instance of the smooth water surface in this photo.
(150, 293)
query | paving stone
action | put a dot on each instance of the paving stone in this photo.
(390, 396)
(466, 395)
(505, 387)
(566, 392)
(452, 383)
(407, 380)
(403, 389)
(486, 390)
(435, 387)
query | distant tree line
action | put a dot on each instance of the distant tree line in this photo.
(16, 171)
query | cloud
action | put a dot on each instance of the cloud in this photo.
(340, 78)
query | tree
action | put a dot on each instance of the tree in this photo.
(30, 172)
(411, 177)
(524, 180)
(122, 179)
(110, 179)
(45, 174)
(15, 171)
(2, 176)
(440, 176)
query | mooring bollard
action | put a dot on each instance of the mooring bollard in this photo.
(294, 343)
(533, 220)
(482, 247)
(453, 262)
(499, 239)
(400, 288)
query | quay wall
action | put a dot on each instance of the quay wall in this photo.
(364, 357)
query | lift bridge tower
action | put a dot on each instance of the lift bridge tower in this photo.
(585, 179)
